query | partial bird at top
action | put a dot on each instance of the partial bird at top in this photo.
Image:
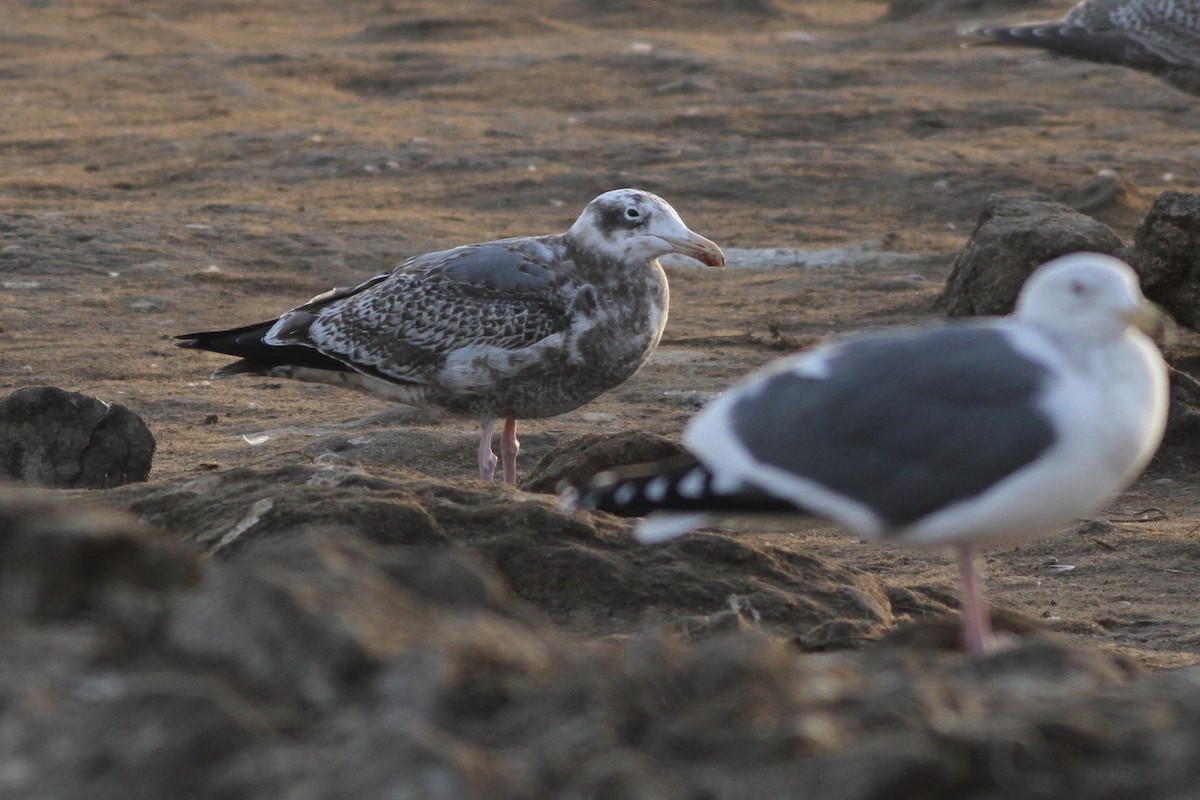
(1161, 37)
(526, 327)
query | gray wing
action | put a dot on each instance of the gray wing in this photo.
(401, 326)
(1154, 35)
(1168, 28)
(1094, 15)
(903, 424)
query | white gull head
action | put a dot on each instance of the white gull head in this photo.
(1091, 296)
(634, 225)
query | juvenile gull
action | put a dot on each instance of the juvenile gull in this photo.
(1161, 37)
(948, 434)
(517, 328)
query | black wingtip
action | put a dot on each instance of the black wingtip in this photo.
(247, 343)
(681, 484)
(611, 490)
(1072, 41)
(230, 341)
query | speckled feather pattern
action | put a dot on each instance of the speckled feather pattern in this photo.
(527, 327)
(1159, 36)
(511, 329)
(1168, 28)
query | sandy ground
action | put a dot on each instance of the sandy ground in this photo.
(178, 166)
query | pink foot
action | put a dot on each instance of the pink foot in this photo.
(487, 459)
(976, 627)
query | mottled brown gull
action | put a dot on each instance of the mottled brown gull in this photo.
(1161, 37)
(519, 328)
(954, 434)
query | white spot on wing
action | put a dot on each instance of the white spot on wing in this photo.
(692, 484)
(624, 494)
(656, 489)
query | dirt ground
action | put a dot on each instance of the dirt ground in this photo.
(177, 166)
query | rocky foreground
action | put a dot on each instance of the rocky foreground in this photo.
(321, 632)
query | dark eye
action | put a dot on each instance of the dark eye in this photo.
(632, 213)
(1078, 288)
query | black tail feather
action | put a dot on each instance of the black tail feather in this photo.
(257, 356)
(1065, 40)
(680, 484)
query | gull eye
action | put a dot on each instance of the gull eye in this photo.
(1079, 288)
(632, 213)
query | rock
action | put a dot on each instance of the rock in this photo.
(127, 667)
(313, 660)
(297, 626)
(584, 571)
(60, 439)
(1183, 413)
(1014, 235)
(1103, 192)
(1166, 254)
(579, 459)
(62, 559)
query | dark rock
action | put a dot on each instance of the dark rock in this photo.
(120, 733)
(1103, 192)
(1014, 235)
(584, 571)
(221, 513)
(222, 664)
(1049, 659)
(56, 438)
(722, 623)
(61, 560)
(312, 660)
(839, 634)
(1166, 254)
(919, 602)
(276, 632)
(579, 459)
(1183, 413)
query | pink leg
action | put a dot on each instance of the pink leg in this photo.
(509, 446)
(487, 459)
(977, 628)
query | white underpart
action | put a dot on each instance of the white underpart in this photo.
(1086, 465)
(661, 526)
(1107, 404)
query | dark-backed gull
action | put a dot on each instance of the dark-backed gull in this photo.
(517, 328)
(1161, 37)
(956, 433)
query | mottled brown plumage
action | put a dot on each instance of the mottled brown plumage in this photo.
(517, 328)
(1161, 37)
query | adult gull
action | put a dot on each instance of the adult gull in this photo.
(957, 434)
(519, 328)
